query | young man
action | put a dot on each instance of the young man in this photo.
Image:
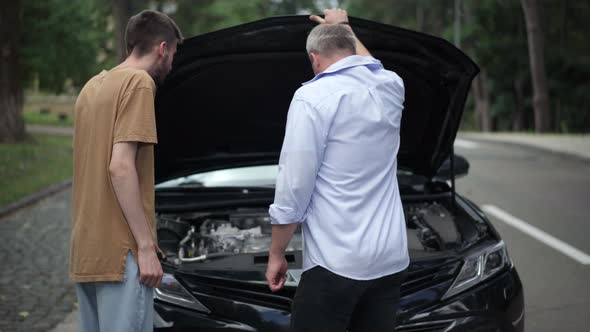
(114, 254)
(337, 176)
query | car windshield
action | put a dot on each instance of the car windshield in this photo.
(252, 176)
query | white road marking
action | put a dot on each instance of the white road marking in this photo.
(461, 143)
(553, 242)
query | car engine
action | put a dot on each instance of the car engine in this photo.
(433, 225)
(195, 237)
(202, 236)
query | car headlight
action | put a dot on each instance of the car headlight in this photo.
(173, 292)
(480, 266)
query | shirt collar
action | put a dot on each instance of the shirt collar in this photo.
(345, 63)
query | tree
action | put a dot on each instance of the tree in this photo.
(122, 11)
(197, 17)
(494, 34)
(428, 16)
(567, 60)
(11, 94)
(51, 41)
(537, 63)
(481, 94)
(500, 89)
(63, 41)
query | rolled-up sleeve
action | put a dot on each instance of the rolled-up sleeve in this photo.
(301, 157)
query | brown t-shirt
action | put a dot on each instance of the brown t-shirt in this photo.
(114, 106)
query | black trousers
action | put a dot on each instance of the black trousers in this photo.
(326, 302)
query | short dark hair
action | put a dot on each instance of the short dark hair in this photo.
(149, 28)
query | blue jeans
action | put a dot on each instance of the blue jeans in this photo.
(116, 306)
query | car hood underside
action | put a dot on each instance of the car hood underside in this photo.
(225, 102)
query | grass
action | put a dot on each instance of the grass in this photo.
(33, 165)
(47, 119)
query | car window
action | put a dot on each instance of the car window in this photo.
(253, 176)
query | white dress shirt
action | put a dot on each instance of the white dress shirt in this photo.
(337, 170)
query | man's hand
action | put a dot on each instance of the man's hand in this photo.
(331, 16)
(276, 272)
(150, 269)
(277, 264)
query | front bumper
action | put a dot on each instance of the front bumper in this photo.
(496, 305)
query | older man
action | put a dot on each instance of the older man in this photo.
(337, 176)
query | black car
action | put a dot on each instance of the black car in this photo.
(221, 118)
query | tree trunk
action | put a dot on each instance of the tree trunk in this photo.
(537, 62)
(482, 101)
(419, 16)
(518, 112)
(558, 126)
(12, 127)
(121, 14)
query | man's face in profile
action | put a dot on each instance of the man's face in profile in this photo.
(165, 64)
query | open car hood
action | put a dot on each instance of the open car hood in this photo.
(225, 102)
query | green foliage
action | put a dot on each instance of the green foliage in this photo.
(429, 16)
(69, 41)
(504, 56)
(567, 57)
(213, 15)
(500, 55)
(494, 34)
(62, 40)
(197, 17)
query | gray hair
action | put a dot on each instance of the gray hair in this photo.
(327, 39)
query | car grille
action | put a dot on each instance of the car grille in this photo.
(425, 275)
(421, 276)
(247, 292)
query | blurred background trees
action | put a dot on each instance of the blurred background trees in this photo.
(534, 54)
(12, 127)
(494, 34)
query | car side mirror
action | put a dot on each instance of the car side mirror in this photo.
(461, 168)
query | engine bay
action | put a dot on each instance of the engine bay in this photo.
(203, 236)
(197, 237)
(431, 227)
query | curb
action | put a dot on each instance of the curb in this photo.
(69, 323)
(565, 154)
(33, 198)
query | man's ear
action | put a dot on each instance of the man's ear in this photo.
(316, 61)
(314, 58)
(163, 49)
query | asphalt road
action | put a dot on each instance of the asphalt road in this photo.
(551, 193)
(547, 191)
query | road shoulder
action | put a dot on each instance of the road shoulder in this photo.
(570, 145)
